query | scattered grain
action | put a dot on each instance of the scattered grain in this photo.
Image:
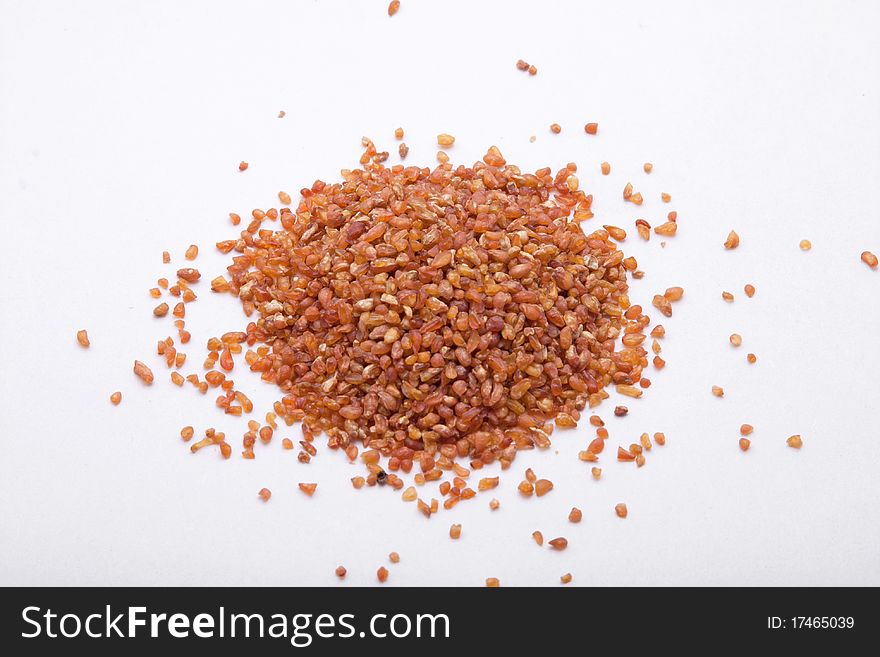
(189, 275)
(732, 240)
(661, 303)
(82, 337)
(667, 229)
(618, 234)
(795, 441)
(625, 455)
(143, 372)
(674, 293)
(621, 510)
(487, 483)
(559, 543)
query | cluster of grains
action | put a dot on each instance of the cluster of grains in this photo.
(435, 315)
(432, 316)
(636, 451)
(212, 437)
(532, 485)
(428, 317)
(745, 443)
(525, 66)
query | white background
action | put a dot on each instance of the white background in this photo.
(121, 128)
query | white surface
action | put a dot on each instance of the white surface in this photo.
(121, 128)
